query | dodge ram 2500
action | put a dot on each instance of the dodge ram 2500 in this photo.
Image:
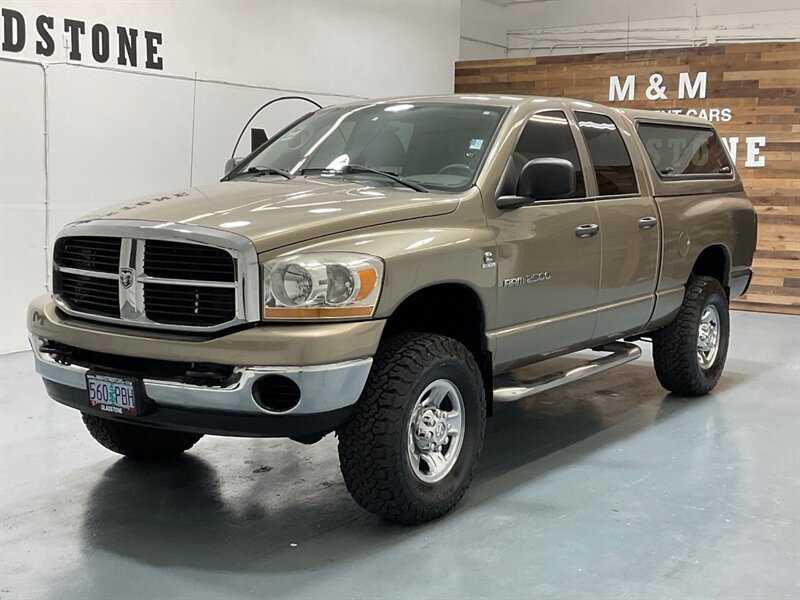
(375, 269)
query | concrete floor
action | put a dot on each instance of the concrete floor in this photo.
(607, 488)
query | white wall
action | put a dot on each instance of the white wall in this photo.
(545, 27)
(120, 132)
(483, 30)
(22, 191)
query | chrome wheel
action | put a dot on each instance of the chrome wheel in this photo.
(436, 431)
(708, 334)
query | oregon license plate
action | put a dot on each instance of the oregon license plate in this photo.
(112, 394)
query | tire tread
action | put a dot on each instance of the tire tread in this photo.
(368, 456)
(674, 346)
(135, 441)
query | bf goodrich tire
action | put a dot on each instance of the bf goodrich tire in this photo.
(689, 354)
(135, 441)
(409, 452)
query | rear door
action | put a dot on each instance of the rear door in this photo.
(629, 224)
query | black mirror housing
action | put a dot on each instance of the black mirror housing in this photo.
(542, 179)
(232, 163)
(547, 179)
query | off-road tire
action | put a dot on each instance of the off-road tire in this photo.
(675, 346)
(135, 441)
(373, 444)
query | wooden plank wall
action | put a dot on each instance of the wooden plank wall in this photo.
(758, 83)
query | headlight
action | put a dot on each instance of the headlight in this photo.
(324, 285)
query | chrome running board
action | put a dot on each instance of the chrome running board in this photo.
(621, 353)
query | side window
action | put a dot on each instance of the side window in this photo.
(612, 163)
(548, 135)
(679, 150)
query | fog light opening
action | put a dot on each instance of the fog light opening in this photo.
(276, 393)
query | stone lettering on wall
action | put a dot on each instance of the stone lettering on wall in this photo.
(84, 42)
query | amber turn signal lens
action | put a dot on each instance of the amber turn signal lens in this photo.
(368, 278)
(317, 312)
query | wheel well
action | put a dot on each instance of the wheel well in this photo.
(449, 309)
(713, 262)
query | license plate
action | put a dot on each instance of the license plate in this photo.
(112, 394)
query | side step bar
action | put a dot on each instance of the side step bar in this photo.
(621, 353)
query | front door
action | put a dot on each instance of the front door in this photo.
(548, 255)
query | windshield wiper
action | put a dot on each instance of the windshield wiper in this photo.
(347, 169)
(256, 171)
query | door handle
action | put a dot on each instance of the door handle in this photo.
(647, 222)
(587, 230)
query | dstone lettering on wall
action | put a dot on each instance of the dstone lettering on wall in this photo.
(657, 89)
(115, 44)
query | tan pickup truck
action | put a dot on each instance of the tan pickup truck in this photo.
(377, 269)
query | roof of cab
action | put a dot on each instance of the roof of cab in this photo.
(512, 100)
(484, 99)
(635, 114)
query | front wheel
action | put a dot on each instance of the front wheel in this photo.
(689, 353)
(135, 441)
(409, 452)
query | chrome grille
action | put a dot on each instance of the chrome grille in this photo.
(176, 260)
(92, 295)
(188, 305)
(196, 279)
(88, 253)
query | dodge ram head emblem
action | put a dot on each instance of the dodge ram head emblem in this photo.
(126, 277)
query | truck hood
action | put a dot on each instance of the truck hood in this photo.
(275, 213)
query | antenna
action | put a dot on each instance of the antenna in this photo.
(255, 114)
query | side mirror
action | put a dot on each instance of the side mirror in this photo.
(232, 163)
(542, 179)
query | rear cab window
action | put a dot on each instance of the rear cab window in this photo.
(680, 152)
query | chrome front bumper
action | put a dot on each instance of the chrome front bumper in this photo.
(323, 388)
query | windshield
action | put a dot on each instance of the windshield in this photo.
(439, 146)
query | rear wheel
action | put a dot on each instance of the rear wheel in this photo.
(135, 441)
(410, 450)
(689, 353)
